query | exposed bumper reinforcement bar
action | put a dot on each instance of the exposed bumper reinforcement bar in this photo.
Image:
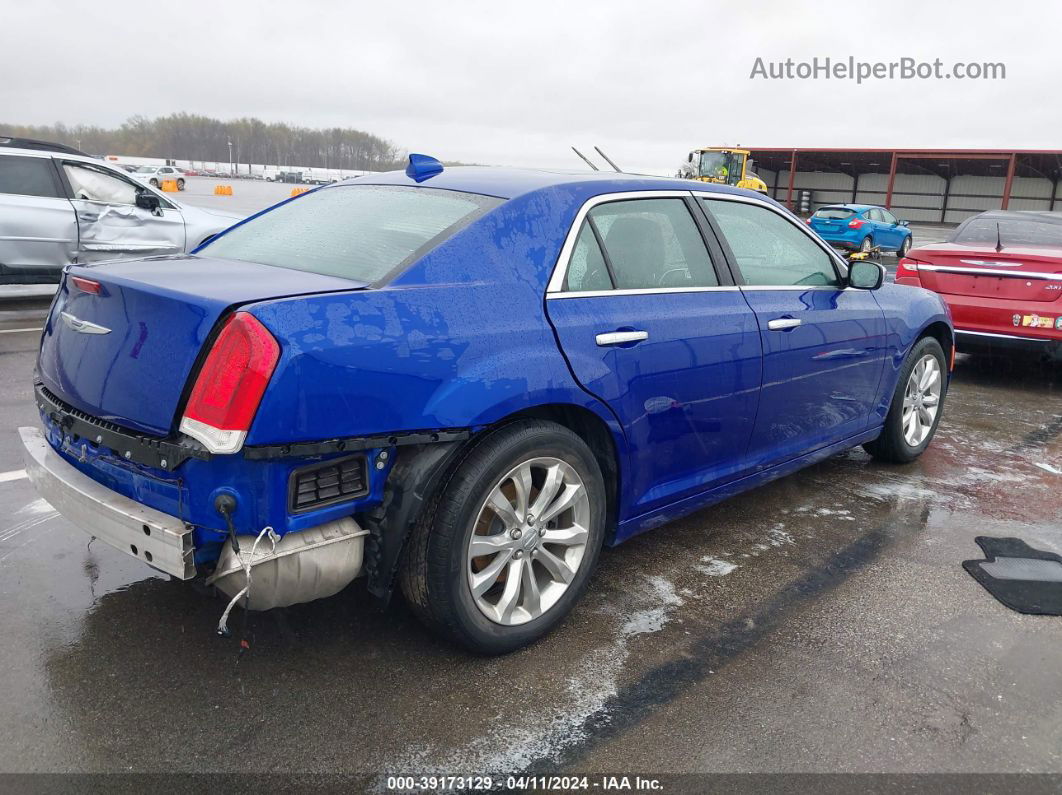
(158, 539)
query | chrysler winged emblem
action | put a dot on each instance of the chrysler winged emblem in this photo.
(83, 326)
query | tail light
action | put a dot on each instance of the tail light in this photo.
(807, 221)
(855, 224)
(230, 384)
(907, 264)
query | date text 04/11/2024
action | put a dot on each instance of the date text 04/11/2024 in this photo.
(521, 783)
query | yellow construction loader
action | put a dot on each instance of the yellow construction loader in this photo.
(724, 166)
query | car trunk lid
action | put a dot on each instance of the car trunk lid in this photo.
(124, 354)
(1013, 274)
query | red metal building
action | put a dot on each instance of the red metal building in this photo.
(927, 185)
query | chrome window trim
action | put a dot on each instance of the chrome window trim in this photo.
(555, 287)
(640, 291)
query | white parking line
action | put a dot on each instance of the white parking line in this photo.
(16, 474)
(18, 330)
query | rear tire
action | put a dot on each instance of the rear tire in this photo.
(180, 184)
(514, 591)
(866, 245)
(154, 182)
(905, 437)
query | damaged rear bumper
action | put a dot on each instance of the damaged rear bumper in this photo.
(158, 539)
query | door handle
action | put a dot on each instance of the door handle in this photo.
(621, 337)
(783, 323)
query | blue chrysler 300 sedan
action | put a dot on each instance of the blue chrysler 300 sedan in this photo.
(464, 382)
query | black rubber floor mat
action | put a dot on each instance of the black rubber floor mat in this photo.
(1024, 579)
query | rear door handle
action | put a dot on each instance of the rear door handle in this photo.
(783, 323)
(621, 337)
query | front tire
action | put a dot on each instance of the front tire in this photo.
(153, 182)
(905, 246)
(917, 405)
(481, 568)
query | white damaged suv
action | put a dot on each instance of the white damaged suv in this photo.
(59, 206)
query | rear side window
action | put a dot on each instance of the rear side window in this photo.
(587, 269)
(28, 176)
(834, 213)
(357, 232)
(652, 243)
(1009, 232)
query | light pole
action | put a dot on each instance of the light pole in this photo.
(230, 158)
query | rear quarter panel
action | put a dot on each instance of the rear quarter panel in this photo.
(460, 340)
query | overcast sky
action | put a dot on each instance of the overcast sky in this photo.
(519, 83)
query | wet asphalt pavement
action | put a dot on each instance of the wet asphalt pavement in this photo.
(821, 623)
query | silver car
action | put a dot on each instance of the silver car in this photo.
(58, 208)
(156, 175)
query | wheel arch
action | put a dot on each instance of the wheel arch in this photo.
(420, 474)
(943, 334)
(601, 440)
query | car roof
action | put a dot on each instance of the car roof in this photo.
(14, 142)
(508, 183)
(1018, 215)
(10, 150)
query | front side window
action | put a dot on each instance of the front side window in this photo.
(357, 232)
(95, 184)
(888, 217)
(652, 243)
(28, 176)
(770, 250)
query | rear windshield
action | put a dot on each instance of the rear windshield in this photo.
(357, 232)
(1009, 232)
(834, 213)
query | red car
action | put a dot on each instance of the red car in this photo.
(1001, 275)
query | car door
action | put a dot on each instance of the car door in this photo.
(110, 224)
(823, 344)
(892, 233)
(883, 234)
(651, 326)
(38, 231)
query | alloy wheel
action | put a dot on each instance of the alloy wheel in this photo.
(921, 400)
(528, 541)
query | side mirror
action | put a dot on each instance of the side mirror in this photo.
(905, 223)
(690, 158)
(865, 275)
(146, 200)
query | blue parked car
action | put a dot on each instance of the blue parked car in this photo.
(861, 227)
(465, 382)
